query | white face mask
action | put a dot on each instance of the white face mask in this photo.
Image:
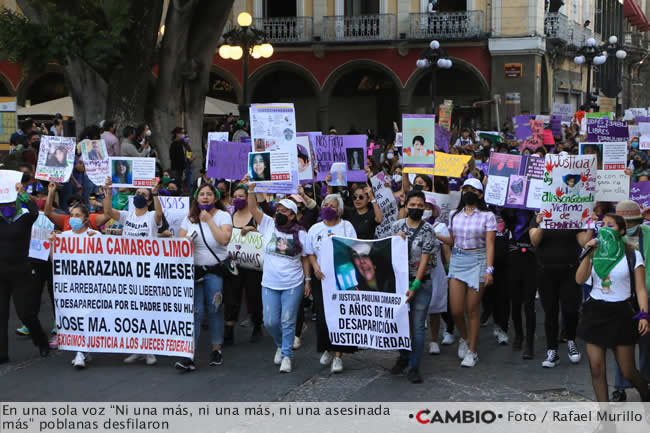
(148, 133)
(397, 178)
(427, 214)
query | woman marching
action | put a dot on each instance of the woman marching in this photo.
(286, 273)
(473, 231)
(608, 316)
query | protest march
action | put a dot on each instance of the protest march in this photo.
(387, 244)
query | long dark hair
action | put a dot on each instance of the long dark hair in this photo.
(426, 180)
(620, 221)
(194, 206)
(293, 229)
(480, 205)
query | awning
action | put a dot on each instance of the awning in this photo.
(635, 15)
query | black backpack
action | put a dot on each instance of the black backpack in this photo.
(631, 264)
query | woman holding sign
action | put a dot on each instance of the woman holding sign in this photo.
(473, 232)
(286, 274)
(608, 317)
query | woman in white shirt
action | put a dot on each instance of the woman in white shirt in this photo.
(608, 316)
(286, 271)
(332, 225)
(210, 228)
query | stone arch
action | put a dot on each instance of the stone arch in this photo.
(230, 78)
(283, 66)
(26, 84)
(6, 86)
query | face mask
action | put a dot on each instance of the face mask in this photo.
(281, 219)
(206, 207)
(186, 140)
(139, 201)
(166, 180)
(427, 214)
(173, 192)
(181, 136)
(397, 178)
(328, 214)
(470, 198)
(415, 214)
(390, 155)
(148, 133)
(239, 203)
(417, 187)
(632, 230)
(635, 145)
(76, 223)
(8, 211)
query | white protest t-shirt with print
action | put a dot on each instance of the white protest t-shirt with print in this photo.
(203, 256)
(620, 278)
(438, 275)
(142, 226)
(282, 267)
(318, 232)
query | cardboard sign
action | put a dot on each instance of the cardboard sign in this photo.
(347, 149)
(8, 181)
(129, 172)
(601, 130)
(227, 160)
(611, 158)
(56, 158)
(247, 251)
(450, 165)
(419, 136)
(515, 181)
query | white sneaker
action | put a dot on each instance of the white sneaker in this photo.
(470, 359)
(501, 336)
(285, 367)
(462, 348)
(574, 355)
(277, 359)
(326, 358)
(150, 359)
(133, 358)
(297, 343)
(434, 349)
(79, 361)
(552, 359)
(448, 339)
(337, 365)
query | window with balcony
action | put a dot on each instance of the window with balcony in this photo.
(361, 7)
(451, 20)
(281, 23)
(359, 20)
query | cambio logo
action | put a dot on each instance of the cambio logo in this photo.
(458, 417)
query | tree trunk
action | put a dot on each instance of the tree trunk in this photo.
(88, 91)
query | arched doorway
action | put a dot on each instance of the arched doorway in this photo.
(363, 95)
(224, 86)
(288, 82)
(46, 87)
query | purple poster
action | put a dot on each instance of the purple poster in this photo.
(642, 119)
(640, 193)
(228, 160)
(350, 149)
(483, 166)
(605, 130)
(556, 125)
(442, 139)
(522, 127)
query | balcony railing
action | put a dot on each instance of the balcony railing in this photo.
(286, 30)
(635, 40)
(447, 25)
(556, 27)
(375, 27)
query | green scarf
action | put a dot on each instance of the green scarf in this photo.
(121, 201)
(610, 251)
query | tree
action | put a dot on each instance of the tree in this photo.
(108, 49)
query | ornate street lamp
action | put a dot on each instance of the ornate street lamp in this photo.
(433, 57)
(594, 54)
(245, 41)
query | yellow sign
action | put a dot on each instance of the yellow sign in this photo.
(8, 121)
(450, 165)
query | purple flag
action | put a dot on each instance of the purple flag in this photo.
(442, 139)
(605, 130)
(522, 127)
(228, 160)
(640, 193)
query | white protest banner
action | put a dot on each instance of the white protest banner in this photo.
(644, 142)
(8, 181)
(55, 158)
(95, 158)
(247, 251)
(386, 202)
(569, 191)
(633, 130)
(364, 292)
(273, 129)
(564, 110)
(639, 112)
(124, 294)
(218, 136)
(129, 172)
(174, 209)
(39, 246)
(446, 203)
(611, 158)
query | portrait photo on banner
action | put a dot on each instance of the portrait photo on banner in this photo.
(122, 171)
(259, 166)
(364, 265)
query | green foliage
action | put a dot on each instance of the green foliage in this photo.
(92, 30)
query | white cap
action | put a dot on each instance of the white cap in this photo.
(474, 183)
(289, 205)
(101, 124)
(361, 248)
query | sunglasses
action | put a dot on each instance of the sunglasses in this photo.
(359, 197)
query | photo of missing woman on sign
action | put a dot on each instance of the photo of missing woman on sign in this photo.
(259, 166)
(122, 172)
(364, 265)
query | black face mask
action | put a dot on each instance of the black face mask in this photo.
(281, 219)
(417, 187)
(415, 213)
(470, 198)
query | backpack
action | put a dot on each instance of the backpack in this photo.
(631, 263)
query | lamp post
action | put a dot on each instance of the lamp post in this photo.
(245, 41)
(593, 54)
(433, 57)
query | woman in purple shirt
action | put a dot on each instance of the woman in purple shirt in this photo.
(473, 230)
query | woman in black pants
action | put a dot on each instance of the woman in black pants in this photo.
(16, 272)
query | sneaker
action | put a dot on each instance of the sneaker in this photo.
(186, 365)
(400, 366)
(245, 323)
(150, 359)
(285, 367)
(133, 358)
(414, 376)
(552, 359)
(462, 348)
(618, 396)
(501, 336)
(434, 349)
(574, 355)
(337, 365)
(277, 359)
(448, 339)
(325, 358)
(23, 331)
(297, 343)
(216, 358)
(54, 342)
(470, 360)
(79, 361)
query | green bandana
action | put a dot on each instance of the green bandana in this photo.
(120, 201)
(610, 251)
